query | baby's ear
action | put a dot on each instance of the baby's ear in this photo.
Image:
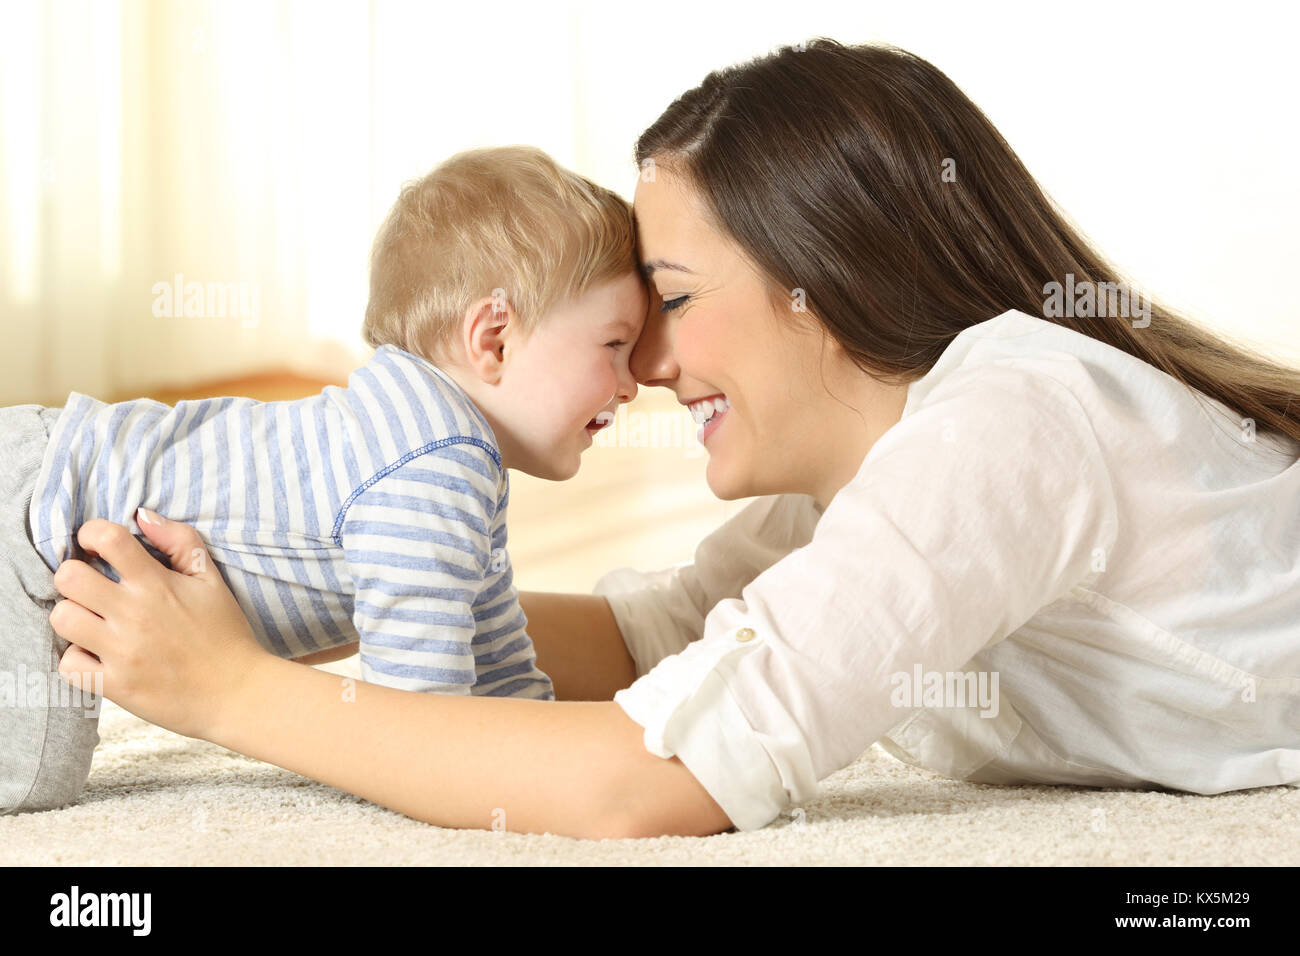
(486, 326)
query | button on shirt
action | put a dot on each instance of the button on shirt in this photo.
(1059, 566)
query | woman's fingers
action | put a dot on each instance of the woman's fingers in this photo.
(76, 625)
(116, 545)
(171, 646)
(78, 668)
(80, 582)
(183, 545)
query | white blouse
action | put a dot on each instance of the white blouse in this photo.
(1057, 567)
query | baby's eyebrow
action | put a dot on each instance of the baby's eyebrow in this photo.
(622, 325)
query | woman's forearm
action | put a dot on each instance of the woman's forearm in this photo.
(484, 763)
(175, 649)
(577, 640)
(578, 644)
(329, 655)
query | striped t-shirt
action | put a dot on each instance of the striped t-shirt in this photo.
(374, 512)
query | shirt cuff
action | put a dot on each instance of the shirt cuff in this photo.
(688, 711)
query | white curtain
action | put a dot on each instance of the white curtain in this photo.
(191, 188)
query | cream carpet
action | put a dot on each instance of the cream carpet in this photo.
(158, 799)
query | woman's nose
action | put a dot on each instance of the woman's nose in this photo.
(652, 361)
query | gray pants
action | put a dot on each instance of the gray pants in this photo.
(48, 730)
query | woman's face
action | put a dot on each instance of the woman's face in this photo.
(801, 417)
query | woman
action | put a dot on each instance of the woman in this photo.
(1011, 533)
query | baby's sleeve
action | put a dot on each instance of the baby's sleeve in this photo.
(660, 612)
(504, 656)
(417, 543)
(986, 503)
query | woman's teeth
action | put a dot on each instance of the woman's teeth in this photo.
(705, 410)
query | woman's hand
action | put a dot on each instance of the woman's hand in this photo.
(173, 646)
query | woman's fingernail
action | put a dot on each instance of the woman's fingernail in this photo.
(149, 517)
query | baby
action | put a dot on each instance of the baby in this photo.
(504, 304)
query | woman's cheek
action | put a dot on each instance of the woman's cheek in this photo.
(695, 346)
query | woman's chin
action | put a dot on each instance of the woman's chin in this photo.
(724, 486)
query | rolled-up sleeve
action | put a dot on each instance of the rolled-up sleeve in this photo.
(987, 502)
(660, 612)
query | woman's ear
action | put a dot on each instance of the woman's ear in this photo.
(488, 325)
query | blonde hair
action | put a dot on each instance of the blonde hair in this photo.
(507, 222)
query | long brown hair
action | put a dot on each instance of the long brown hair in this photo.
(826, 163)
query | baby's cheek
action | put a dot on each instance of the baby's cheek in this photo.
(600, 386)
(609, 385)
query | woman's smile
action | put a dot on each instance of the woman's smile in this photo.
(708, 413)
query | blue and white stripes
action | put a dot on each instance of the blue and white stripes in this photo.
(376, 510)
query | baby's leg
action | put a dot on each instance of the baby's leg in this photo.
(48, 729)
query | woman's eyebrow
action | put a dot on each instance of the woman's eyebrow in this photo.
(654, 265)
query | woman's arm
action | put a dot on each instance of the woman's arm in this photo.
(330, 654)
(578, 644)
(575, 636)
(577, 769)
(176, 650)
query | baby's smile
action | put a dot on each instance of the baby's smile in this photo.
(602, 420)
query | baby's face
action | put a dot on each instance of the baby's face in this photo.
(571, 375)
